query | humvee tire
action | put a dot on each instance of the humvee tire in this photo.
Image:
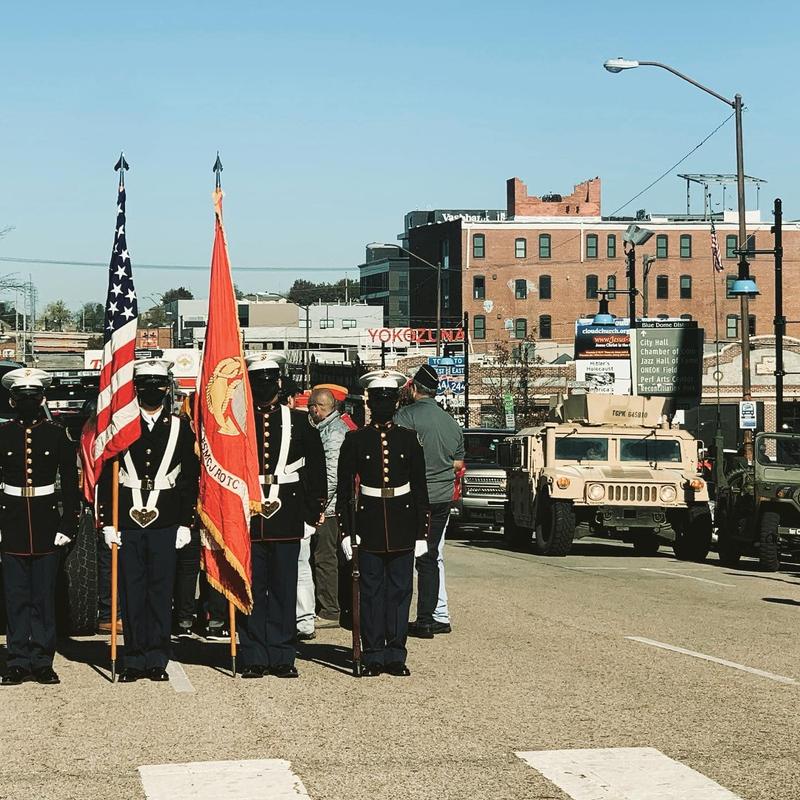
(769, 555)
(555, 529)
(80, 571)
(693, 542)
(646, 545)
(516, 537)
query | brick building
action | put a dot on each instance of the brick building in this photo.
(535, 272)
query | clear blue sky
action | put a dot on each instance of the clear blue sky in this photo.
(334, 119)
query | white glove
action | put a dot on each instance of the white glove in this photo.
(111, 535)
(308, 530)
(420, 548)
(183, 537)
(347, 548)
(61, 539)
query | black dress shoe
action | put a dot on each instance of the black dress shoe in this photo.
(15, 676)
(46, 675)
(130, 675)
(254, 671)
(306, 637)
(441, 627)
(284, 671)
(372, 670)
(157, 674)
(420, 630)
(398, 669)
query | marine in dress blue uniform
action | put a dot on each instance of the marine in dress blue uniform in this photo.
(34, 450)
(292, 475)
(382, 468)
(158, 485)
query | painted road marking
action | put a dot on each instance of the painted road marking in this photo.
(689, 577)
(732, 664)
(263, 779)
(178, 677)
(623, 773)
(600, 568)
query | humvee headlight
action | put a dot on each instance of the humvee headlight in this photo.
(596, 491)
(562, 482)
(696, 484)
(668, 494)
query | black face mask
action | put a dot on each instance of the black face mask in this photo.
(382, 408)
(265, 390)
(151, 396)
(28, 406)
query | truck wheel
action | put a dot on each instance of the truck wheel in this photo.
(645, 545)
(693, 541)
(80, 573)
(769, 549)
(516, 537)
(556, 529)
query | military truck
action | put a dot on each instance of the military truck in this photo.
(758, 505)
(606, 465)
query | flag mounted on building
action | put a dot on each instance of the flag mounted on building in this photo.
(118, 422)
(229, 486)
(715, 254)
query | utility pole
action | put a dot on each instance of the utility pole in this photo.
(466, 369)
(780, 319)
(438, 308)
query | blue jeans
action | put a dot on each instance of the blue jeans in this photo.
(305, 589)
(442, 613)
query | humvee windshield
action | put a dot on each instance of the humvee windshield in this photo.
(581, 449)
(780, 450)
(649, 450)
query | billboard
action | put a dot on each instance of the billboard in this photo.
(602, 356)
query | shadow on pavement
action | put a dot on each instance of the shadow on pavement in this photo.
(579, 548)
(742, 574)
(783, 601)
(333, 656)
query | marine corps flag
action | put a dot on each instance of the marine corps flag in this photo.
(229, 486)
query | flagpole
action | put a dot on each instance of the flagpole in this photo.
(114, 564)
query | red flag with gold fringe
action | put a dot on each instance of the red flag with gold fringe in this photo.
(229, 487)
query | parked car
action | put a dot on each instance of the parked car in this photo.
(483, 484)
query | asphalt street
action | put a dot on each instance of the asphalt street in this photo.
(540, 659)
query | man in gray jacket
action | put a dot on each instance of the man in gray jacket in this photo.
(325, 416)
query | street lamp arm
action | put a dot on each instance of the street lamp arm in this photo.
(731, 103)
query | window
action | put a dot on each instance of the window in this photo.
(520, 289)
(591, 287)
(326, 323)
(348, 323)
(545, 287)
(686, 287)
(730, 245)
(611, 246)
(445, 253)
(520, 328)
(662, 246)
(402, 281)
(520, 248)
(479, 287)
(611, 284)
(478, 245)
(686, 245)
(729, 281)
(591, 245)
(479, 327)
(732, 326)
(662, 287)
(650, 450)
(686, 316)
(581, 448)
(750, 246)
(545, 327)
(752, 324)
(544, 245)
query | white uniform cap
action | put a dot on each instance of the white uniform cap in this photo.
(383, 379)
(265, 360)
(160, 367)
(26, 378)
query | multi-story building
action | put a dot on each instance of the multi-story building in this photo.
(384, 282)
(533, 273)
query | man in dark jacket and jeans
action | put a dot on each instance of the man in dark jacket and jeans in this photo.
(443, 444)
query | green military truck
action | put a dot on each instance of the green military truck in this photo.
(609, 466)
(758, 505)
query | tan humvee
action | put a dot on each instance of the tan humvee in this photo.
(606, 465)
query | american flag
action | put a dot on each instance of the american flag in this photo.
(118, 417)
(715, 256)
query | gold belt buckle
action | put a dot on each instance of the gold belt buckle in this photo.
(387, 491)
(29, 491)
(269, 480)
(147, 484)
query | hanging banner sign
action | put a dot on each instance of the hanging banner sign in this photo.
(404, 336)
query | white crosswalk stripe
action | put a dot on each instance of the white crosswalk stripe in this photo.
(263, 779)
(623, 773)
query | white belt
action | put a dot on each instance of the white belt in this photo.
(29, 491)
(271, 480)
(387, 491)
(150, 484)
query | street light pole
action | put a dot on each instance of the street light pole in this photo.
(618, 65)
